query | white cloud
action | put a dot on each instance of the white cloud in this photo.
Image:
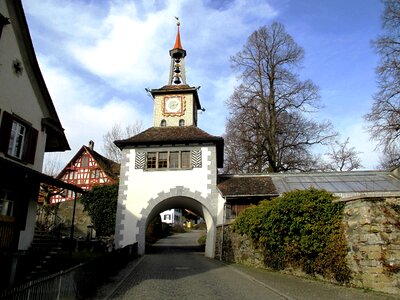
(98, 56)
(82, 120)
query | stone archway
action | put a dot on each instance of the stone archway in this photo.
(174, 198)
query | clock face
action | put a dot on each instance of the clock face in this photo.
(173, 106)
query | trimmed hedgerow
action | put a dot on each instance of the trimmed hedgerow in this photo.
(300, 229)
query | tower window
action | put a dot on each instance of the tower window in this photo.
(163, 123)
(185, 159)
(151, 160)
(169, 160)
(174, 159)
(181, 122)
(162, 160)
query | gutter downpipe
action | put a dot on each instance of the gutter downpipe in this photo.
(222, 229)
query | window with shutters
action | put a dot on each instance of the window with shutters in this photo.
(6, 203)
(18, 138)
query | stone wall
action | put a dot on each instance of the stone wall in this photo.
(372, 229)
(237, 248)
(82, 219)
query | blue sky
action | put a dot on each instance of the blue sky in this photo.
(97, 58)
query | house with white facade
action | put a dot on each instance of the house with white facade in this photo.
(29, 127)
(172, 216)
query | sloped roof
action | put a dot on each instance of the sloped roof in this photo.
(20, 173)
(111, 168)
(246, 186)
(56, 139)
(340, 183)
(175, 135)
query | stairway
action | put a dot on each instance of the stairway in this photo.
(44, 255)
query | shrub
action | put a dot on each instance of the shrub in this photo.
(101, 204)
(202, 240)
(300, 229)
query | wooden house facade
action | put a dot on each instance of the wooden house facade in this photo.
(87, 169)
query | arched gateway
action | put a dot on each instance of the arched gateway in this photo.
(170, 165)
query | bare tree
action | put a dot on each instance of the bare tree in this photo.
(117, 133)
(390, 159)
(52, 165)
(384, 117)
(267, 129)
(342, 157)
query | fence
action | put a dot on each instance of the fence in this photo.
(58, 286)
(79, 282)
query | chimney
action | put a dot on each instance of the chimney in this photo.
(91, 145)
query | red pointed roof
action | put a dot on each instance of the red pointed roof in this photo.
(178, 44)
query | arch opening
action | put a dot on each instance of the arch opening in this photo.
(183, 202)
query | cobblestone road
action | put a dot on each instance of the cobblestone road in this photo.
(170, 272)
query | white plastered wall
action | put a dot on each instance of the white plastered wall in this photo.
(141, 189)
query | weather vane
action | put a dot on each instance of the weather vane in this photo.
(177, 21)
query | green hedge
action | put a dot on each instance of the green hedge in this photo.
(300, 229)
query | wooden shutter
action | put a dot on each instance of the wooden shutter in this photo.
(5, 131)
(31, 143)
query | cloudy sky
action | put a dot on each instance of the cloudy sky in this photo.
(98, 56)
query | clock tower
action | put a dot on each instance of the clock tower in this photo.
(171, 165)
(176, 104)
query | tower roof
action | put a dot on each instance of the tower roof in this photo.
(178, 44)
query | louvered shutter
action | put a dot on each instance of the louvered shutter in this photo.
(31, 145)
(5, 131)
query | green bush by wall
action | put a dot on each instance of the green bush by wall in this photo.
(300, 229)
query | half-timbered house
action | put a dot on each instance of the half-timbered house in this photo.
(87, 169)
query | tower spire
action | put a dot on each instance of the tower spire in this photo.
(178, 44)
(177, 69)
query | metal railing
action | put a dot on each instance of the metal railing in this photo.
(61, 285)
(79, 282)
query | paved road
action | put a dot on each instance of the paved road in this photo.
(182, 272)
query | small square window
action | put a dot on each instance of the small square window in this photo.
(151, 160)
(85, 161)
(174, 160)
(185, 159)
(95, 173)
(163, 160)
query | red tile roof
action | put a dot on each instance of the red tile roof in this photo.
(246, 186)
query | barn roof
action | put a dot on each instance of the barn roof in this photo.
(342, 184)
(246, 186)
